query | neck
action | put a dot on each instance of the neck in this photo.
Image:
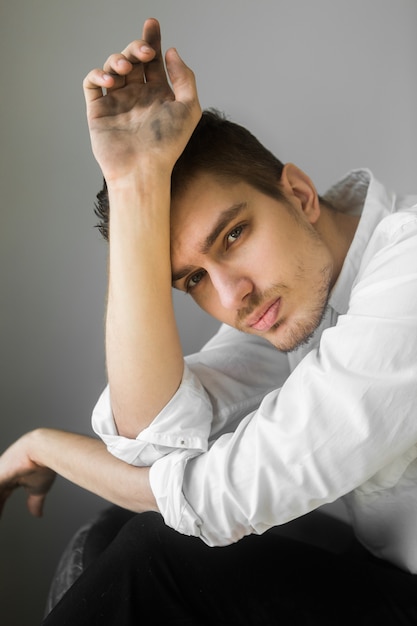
(337, 229)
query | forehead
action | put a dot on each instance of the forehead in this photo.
(203, 199)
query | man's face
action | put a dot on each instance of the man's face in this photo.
(250, 261)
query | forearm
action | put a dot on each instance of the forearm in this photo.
(144, 357)
(140, 123)
(86, 462)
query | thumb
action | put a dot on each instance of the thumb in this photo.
(182, 78)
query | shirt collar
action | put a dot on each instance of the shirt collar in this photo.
(358, 193)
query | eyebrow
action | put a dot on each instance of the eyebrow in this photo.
(223, 220)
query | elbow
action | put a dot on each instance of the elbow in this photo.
(128, 423)
(127, 430)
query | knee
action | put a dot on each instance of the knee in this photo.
(142, 532)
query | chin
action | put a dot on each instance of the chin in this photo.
(288, 336)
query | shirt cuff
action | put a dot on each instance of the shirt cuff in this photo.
(183, 424)
(166, 479)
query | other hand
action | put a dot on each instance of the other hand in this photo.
(18, 470)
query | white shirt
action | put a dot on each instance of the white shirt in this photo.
(254, 438)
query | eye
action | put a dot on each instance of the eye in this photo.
(194, 280)
(234, 234)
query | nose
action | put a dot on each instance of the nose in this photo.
(232, 289)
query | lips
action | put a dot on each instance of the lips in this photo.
(266, 318)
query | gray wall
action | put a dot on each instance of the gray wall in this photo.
(328, 84)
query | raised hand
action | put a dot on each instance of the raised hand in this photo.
(140, 119)
(133, 113)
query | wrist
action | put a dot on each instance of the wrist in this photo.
(35, 442)
(147, 172)
(140, 191)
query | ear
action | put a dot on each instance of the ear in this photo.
(297, 186)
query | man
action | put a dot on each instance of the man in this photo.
(243, 437)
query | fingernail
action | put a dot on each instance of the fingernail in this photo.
(145, 48)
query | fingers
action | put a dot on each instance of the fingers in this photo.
(35, 504)
(154, 70)
(136, 55)
(116, 70)
(182, 79)
(145, 49)
(117, 65)
(119, 69)
(94, 83)
(142, 61)
(151, 33)
(4, 496)
(128, 65)
(148, 51)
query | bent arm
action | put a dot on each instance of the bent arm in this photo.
(139, 126)
(144, 356)
(221, 384)
(32, 461)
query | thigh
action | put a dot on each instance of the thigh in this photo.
(149, 574)
(104, 530)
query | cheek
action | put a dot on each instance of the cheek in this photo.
(205, 297)
(262, 260)
(208, 300)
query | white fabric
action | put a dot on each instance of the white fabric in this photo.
(288, 433)
(165, 434)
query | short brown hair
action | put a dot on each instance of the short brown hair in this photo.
(219, 147)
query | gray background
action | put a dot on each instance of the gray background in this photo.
(327, 84)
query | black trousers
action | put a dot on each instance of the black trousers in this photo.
(139, 571)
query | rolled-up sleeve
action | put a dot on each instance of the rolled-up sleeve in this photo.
(172, 429)
(220, 385)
